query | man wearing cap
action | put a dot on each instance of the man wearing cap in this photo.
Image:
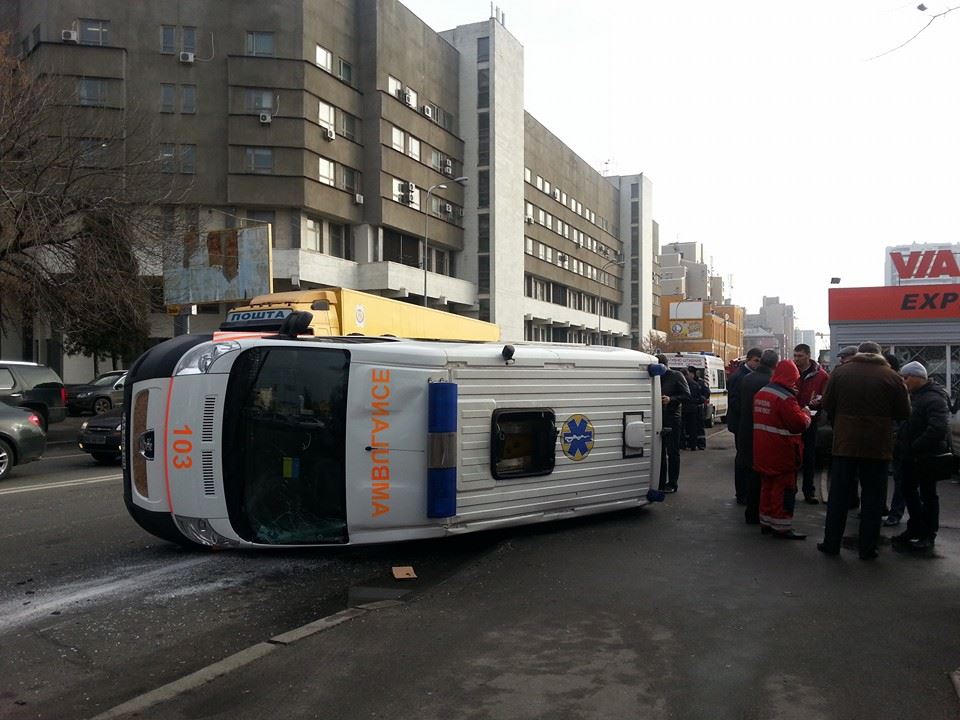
(923, 435)
(843, 357)
(863, 398)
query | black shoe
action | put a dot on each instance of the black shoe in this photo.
(810, 500)
(920, 545)
(790, 535)
(822, 547)
(765, 529)
(903, 539)
(891, 521)
(871, 555)
(670, 489)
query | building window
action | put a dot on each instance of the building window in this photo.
(483, 274)
(546, 186)
(327, 170)
(168, 157)
(413, 148)
(324, 59)
(527, 174)
(410, 97)
(167, 95)
(94, 32)
(346, 72)
(312, 235)
(483, 233)
(483, 188)
(93, 152)
(257, 100)
(168, 39)
(260, 44)
(483, 138)
(483, 88)
(348, 126)
(394, 87)
(397, 140)
(326, 115)
(188, 159)
(522, 443)
(258, 160)
(188, 39)
(93, 92)
(351, 179)
(400, 248)
(339, 245)
(188, 99)
(483, 49)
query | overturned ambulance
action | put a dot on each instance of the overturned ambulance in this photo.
(286, 441)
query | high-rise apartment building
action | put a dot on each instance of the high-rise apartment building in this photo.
(345, 124)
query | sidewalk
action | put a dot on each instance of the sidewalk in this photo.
(675, 611)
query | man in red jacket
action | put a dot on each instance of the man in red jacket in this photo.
(778, 422)
(813, 379)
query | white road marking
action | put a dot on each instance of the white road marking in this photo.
(14, 613)
(61, 484)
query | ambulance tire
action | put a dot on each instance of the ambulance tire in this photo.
(708, 422)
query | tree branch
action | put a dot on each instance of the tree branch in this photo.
(916, 34)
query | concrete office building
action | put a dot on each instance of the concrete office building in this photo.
(777, 319)
(337, 122)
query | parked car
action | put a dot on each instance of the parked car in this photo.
(97, 396)
(22, 440)
(37, 387)
(100, 436)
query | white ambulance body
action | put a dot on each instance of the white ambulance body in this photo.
(714, 372)
(278, 442)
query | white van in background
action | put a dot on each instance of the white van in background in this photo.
(711, 368)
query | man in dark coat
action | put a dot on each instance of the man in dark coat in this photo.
(813, 379)
(923, 435)
(694, 437)
(863, 398)
(733, 418)
(673, 391)
(748, 388)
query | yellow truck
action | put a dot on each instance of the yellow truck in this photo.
(340, 312)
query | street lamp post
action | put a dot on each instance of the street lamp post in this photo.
(426, 225)
(726, 319)
(616, 261)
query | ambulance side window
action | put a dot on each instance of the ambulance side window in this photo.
(522, 443)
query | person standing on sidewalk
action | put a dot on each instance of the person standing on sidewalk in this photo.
(673, 391)
(733, 418)
(863, 398)
(692, 412)
(813, 379)
(894, 512)
(924, 435)
(778, 425)
(748, 388)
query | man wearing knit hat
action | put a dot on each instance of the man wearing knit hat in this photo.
(863, 398)
(924, 435)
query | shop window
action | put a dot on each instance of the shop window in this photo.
(522, 443)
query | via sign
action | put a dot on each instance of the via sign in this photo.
(924, 264)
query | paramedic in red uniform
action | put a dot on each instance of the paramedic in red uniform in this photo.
(778, 423)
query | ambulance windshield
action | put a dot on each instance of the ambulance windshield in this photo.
(284, 445)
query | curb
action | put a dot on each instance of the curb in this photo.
(238, 660)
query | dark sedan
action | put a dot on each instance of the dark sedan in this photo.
(21, 437)
(98, 395)
(100, 436)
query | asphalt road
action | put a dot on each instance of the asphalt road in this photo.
(94, 611)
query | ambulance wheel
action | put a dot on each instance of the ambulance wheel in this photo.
(710, 419)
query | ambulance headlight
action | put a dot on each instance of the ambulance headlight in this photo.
(200, 359)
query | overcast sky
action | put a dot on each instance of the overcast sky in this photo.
(768, 132)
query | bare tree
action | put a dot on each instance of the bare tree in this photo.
(653, 342)
(81, 186)
(930, 20)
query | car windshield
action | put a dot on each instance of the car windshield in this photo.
(106, 380)
(284, 445)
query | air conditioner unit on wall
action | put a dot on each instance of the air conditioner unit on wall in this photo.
(448, 168)
(358, 199)
(408, 98)
(329, 134)
(266, 118)
(448, 209)
(427, 111)
(69, 36)
(529, 219)
(187, 57)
